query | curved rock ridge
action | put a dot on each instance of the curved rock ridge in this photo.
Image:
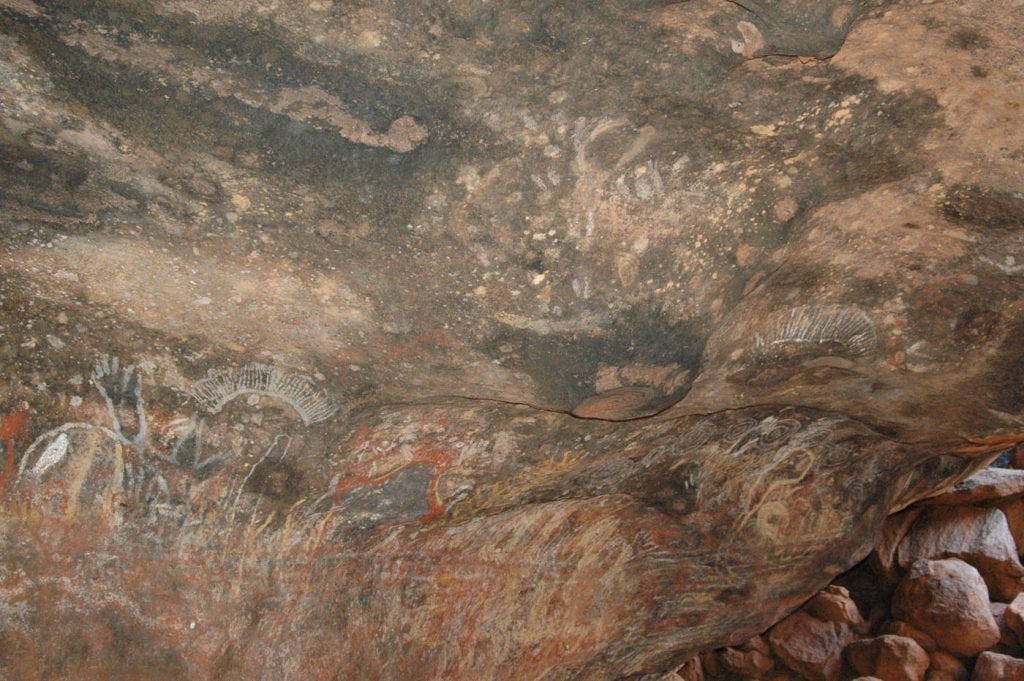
(533, 340)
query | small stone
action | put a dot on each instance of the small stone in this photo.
(978, 536)
(692, 670)
(1007, 637)
(1014, 617)
(901, 628)
(810, 647)
(620, 403)
(241, 202)
(995, 667)
(948, 600)
(945, 667)
(832, 605)
(785, 209)
(888, 657)
(751, 660)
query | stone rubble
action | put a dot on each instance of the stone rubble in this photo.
(940, 598)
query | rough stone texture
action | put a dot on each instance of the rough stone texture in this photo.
(996, 667)
(899, 628)
(883, 556)
(479, 340)
(1008, 641)
(888, 657)
(751, 660)
(978, 536)
(692, 670)
(834, 604)
(989, 484)
(948, 600)
(1014, 617)
(809, 646)
(1014, 512)
(945, 667)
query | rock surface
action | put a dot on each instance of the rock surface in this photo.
(889, 648)
(809, 646)
(945, 667)
(752, 660)
(889, 657)
(898, 628)
(948, 600)
(470, 340)
(833, 604)
(978, 536)
(996, 667)
(1014, 617)
(989, 484)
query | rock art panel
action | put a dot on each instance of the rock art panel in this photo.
(474, 340)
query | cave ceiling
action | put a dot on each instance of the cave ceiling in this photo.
(473, 340)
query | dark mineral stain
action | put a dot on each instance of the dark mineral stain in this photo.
(165, 115)
(401, 498)
(987, 207)
(977, 324)
(565, 365)
(1006, 378)
(735, 594)
(674, 491)
(277, 480)
(968, 39)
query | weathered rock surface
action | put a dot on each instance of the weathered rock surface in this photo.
(486, 340)
(691, 670)
(833, 604)
(884, 555)
(988, 484)
(996, 667)
(1007, 637)
(1014, 512)
(751, 660)
(898, 628)
(945, 667)
(809, 646)
(979, 536)
(1014, 617)
(947, 599)
(889, 657)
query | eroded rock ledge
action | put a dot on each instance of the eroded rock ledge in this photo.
(472, 340)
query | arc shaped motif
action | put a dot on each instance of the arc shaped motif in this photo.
(811, 326)
(296, 390)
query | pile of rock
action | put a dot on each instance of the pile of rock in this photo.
(941, 598)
